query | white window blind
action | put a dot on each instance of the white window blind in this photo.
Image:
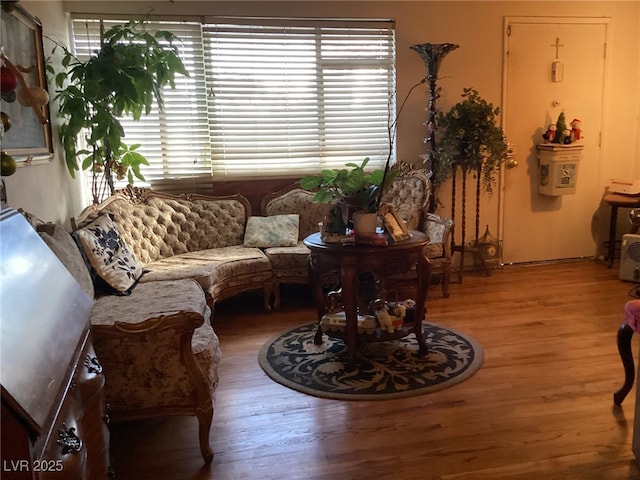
(175, 139)
(267, 97)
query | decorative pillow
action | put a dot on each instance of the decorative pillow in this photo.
(108, 255)
(272, 231)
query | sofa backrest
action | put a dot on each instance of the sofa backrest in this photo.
(294, 199)
(409, 195)
(68, 252)
(62, 244)
(159, 225)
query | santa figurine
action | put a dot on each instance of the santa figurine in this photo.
(576, 130)
(550, 134)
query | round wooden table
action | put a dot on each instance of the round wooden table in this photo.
(329, 262)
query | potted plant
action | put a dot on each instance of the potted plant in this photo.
(470, 138)
(350, 185)
(123, 77)
(351, 189)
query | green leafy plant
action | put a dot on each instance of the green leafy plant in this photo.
(349, 185)
(124, 77)
(470, 137)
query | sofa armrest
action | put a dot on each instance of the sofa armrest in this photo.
(165, 365)
(150, 365)
(439, 230)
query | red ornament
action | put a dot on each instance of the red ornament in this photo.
(8, 80)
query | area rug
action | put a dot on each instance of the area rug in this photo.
(380, 370)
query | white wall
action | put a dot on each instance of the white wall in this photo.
(476, 26)
(46, 190)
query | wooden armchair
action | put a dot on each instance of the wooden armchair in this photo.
(439, 249)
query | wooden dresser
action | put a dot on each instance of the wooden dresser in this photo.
(54, 424)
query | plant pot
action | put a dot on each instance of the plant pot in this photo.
(365, 222)
(348, 206)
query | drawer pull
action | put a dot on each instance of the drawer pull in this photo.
(93, 365)
(105, 417)
(68, 440)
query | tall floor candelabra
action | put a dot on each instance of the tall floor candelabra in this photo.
(432, 55)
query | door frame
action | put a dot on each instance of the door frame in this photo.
(513, 20)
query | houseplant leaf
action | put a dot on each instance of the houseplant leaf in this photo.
(124, 77)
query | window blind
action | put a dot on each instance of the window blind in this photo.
(272, 97)
(175, 139)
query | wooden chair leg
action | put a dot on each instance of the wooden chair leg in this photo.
(446, 276)
(268, 293)
(276, 295)
(625, 332)
(205, 418)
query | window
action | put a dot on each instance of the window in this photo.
(267, 97)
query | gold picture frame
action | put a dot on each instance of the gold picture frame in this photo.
(28, 139)
(393, 224)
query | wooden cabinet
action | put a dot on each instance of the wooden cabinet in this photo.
(53, 408)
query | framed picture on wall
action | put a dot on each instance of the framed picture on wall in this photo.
(26, 125)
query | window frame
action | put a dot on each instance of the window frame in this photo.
(205, 162)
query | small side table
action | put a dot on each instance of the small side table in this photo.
(615, 201)
(348, 261)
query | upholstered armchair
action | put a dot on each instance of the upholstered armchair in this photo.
(439, 249)
(409, 196)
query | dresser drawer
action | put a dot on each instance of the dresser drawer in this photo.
(78, 445)
(65, 455)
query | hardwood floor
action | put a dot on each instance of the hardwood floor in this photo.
(539, 408)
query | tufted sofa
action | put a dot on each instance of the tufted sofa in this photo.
(188, 237)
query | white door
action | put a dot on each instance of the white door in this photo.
(539, 227)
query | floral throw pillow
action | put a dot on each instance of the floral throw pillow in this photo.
(272, 231)
(107, 253)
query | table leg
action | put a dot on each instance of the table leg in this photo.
(625, 332)
(349, 279)
(611, 248)
(423, 269)
(316, 286)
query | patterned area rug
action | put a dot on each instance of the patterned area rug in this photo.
(381, 370)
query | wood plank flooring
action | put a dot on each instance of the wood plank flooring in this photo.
(539, 408)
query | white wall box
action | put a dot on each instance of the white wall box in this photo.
(558, 168)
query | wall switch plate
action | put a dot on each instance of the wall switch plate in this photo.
(557, 71)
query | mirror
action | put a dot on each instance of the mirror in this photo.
(26, 123)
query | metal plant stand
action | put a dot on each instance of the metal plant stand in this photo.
(432, 55)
